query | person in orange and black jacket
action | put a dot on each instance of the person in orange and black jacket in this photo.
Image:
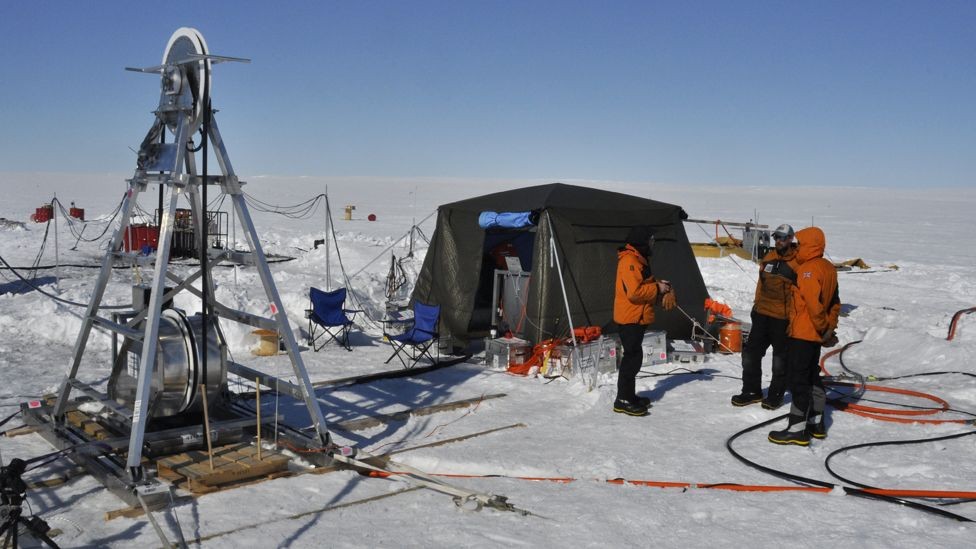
(635, 293)
(770, 318)
(814, 311)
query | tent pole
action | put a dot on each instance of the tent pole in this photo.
(554, 255)
(328, 227)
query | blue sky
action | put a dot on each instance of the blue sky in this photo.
(741, 93)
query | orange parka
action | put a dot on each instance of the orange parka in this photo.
(777, 276)
(635, 290)
(815, 306)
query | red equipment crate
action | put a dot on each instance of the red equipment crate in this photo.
(43, 214)
(137, 236)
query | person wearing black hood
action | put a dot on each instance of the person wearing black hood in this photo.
(635, 293)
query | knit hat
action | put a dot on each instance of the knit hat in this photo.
(638, 235)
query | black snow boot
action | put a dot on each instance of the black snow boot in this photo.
(772, 401)
(816, 427)
(643, 401)
(745, 399)
(629, 407)
(795, 433)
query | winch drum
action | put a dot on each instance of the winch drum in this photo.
(179, 368)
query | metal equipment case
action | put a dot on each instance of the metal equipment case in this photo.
(502, 352)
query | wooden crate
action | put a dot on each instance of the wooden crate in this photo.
(232, 465)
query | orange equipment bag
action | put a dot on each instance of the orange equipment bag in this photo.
(586, 334)
(539, 354)
(716, 308)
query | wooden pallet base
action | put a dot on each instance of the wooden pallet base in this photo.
(83, 421)
(233, 465)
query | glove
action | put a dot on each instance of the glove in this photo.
(829, 339)
(668, 301)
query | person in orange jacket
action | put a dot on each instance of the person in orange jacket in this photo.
(635, 293)
(770, 317)
(814, 311)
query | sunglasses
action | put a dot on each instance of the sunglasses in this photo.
(782, 237)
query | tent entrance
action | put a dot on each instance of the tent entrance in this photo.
(501, 299)
(510, 294)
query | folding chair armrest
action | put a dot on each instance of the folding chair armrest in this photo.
(351, 313)
(308, 313)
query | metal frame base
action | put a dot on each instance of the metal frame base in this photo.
(106, 461)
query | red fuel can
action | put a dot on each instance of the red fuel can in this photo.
(43, 214)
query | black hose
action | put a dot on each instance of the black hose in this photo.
(47, 267)
(270, 259)
(37, 462)
(686, 372)
(52, 296)
(883, 443)
(838, 402)
(847, 490)
(8, 418)
(970, 374)
(302, 210)
(71, 221)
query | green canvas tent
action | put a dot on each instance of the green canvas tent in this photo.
(580, 227)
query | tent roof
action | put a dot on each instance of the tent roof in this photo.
(559, 195)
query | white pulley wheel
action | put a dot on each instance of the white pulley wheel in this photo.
(185, 43)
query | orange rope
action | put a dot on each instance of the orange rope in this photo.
(890, 414)
(892, 492)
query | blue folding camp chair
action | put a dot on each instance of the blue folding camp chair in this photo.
(415, 343)
(327, 318)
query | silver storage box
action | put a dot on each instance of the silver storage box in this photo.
(590, 360)
(686, 350)
(502, 352)
(655, 347)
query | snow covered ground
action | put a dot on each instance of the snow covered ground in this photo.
(902, 315)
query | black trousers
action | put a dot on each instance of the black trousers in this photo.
(631, 338)
(806, 385)
(766, 331)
